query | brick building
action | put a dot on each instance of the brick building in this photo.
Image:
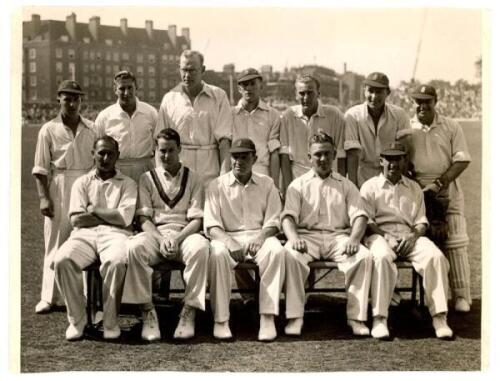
(91, 53)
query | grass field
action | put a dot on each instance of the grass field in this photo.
(326, 343)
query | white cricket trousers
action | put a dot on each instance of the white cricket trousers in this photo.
(271, 262)
(144, 253)
(356, 268)
(56, 229)
(85, 246)
(427, 260)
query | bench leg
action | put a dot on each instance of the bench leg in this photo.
(414, 276)
(165, 284)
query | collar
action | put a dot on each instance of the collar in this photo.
(382, 181)
(84, 122)
(206, 89)
(435, 123)
(319, 112)
(261, 105)
(234, 181)
(311, 174)
(118, 175)
(367, 114)
(118, 109)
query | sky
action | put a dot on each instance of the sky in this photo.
(365, 39)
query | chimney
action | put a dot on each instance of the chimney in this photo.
(124, 26)
(185, 34)
(94, 23)
(345, 67)
(35, 24)
(172, 34)
(71, 26)
(149, 28)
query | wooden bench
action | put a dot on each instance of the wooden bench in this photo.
(94, 283)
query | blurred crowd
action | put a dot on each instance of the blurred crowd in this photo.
(459, 100)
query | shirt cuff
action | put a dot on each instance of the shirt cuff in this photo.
(422, 220)
(351, 144)
(290, 213)
(272, 224)
(359, 213)
(146, 212)
(285, 150)
(273, 145)
(39, 171)
(461, 156)
(194, 213)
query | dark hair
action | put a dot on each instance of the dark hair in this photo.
(304, 78)
(193, 53)
(125, 74)
(169, 134)
(321, 137)
(108, 139)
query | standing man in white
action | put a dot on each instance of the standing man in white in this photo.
(63, 153)
(201, 114)
(131, 123)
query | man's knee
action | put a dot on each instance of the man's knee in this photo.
(218, 251)
(63, 256)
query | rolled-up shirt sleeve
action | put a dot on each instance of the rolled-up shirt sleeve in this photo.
(273, 209)
(459, 145)
(224, 122)
(284, 136)
(274, 134)
(212, 214)
(42, 153)
(144, 201)
(79, 199)
(292, 203)
(354, 202)
(128, 201)
(351, 133)
(195, 209)
(368, 200)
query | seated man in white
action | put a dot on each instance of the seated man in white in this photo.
(241, 217)
(324, 218)
(170, 210)
(101, 210)
(395, 206)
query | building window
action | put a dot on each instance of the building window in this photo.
(151, 58)
(125, 56)
(85, 68)
(98, 55)
(32, 80)
(171, 58)
(151, 70)
(151, 83)
(140, 70)
(85, 54)
(86, 81)
(116, 56)
(32, 53)
(109, 82)
(98, 67)
(108, 42)
(140, 83)
(164, 58)
(116, 68)
(32, 67)
(92, 55)
(86, 40)
(71, 54)
(109, 95)
(108, 69)
(64, 38)
(59, 67)
(164, 83)
(108, 56)
(140, 94)
(140, 58)
(59, 53)
(126, 67)
(59, 79)
(152, 95)
(92, 67)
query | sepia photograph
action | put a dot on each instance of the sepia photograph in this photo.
(236, 188)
